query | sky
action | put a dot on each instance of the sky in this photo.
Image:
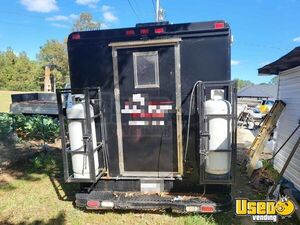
(263, 30)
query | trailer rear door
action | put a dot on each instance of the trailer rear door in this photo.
(148, 112)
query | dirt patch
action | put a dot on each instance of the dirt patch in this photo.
(11, 152)
(241, 187)
(5, 178)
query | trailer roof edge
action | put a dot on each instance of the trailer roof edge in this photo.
(167, 41)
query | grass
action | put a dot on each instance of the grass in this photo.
(5, 100)
(32, 192)
(267, 165)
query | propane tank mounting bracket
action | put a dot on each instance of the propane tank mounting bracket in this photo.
(85, 96)
(205, 153)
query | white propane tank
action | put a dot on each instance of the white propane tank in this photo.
(80, 162)
(218, 163)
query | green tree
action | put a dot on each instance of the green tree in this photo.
(18, 72)
(54, 53)
(243, 83)
(85, 22)
(274, 80)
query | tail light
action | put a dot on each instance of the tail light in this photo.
(144, 31)
(75, 36)
(159, 30)
(207, 208)
(93, 204)
(219, 25)
(130, 32)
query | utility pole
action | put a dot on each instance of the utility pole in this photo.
(160, 13)
(157, 10)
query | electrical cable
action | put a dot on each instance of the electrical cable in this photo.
(189, 119)
(204, 191)
(139, 9)
(154, 8)
(133, 10)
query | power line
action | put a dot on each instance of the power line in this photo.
(133, 10)
(139, 9)
(153, 4)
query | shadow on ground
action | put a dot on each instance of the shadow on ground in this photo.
(59, 220)
(30, 166)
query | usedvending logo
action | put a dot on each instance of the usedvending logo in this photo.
(265, 210)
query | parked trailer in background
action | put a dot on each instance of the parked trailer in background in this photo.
(159, 99)
(34, 103)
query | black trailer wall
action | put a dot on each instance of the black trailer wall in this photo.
(204, 55)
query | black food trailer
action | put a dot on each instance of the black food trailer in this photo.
(150, 119)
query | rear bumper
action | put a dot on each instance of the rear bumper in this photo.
(183, 203)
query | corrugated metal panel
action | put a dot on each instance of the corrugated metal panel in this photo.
(289, 92)
(259, 91)
(284, 155)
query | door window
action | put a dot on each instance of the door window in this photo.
(145, 67)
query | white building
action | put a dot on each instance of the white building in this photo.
(288, 70)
